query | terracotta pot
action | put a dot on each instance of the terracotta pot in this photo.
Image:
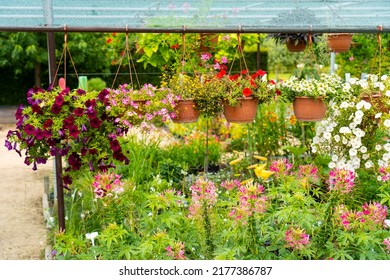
(186, 112)
(299, 47)
(375, 101)
(208, 41)
(309, 109)
(244, 112)
(339, 42)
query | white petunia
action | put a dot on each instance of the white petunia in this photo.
(368, 164)
(359, 114)
(386, 123)
(352, 152)
(336, 138)
(378, 115)
(363, 149)
(344, 105)
(367, 106)
(335, 157)
(327, 135)
(378, 147)
(387, 147)
(366, 156)
(331, 165)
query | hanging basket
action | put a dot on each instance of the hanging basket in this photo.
(376, 101)
(186, 112)
(299, 46)
(309, 109)
(243, 112)
(339, 42)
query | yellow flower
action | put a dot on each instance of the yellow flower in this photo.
(247, 181)
(259, 168)
(265, 174)
(251, 166)
(235, 161)
(260, 158)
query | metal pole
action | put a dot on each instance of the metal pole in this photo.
(332, 62)
(52, 70)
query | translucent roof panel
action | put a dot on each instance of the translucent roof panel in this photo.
(245, 15)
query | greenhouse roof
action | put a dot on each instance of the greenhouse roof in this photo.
(254, 16)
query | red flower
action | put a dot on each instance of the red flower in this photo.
(109, 40)
(95, 123)
(221, 74)
(261, 73)
(29, 129)
(247, 92)
(59, 100)
(244, 72)
(74, 131)
(253, 84)
(78, 112)
(234, 77)
(175, 47)
(48, 123)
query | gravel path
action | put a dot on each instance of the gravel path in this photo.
(23, 232)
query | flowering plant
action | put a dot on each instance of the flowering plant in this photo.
(354, 135)
(70, 123)
(370, 85)
(141, 106)
(373, 89)
(327, 87)
(243, 85)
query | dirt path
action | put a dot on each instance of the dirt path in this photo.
(23, 230)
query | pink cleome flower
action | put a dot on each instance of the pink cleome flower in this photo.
(296, 238)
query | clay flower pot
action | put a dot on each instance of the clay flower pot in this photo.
(293, 46)
(186, 112)
(244, 112)
(309, 109)
(339, 42)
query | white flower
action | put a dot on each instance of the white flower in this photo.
(387, 147)
(379, 178)
(368, 164)
(387, 93)
(386, 123)
(367, 106)
(335, 157)
(356, 143)
(363, 149)
(314, 149)
(327, 135)
(359, 114)
(352, 152)
(344, 130)
(336, 138)
(359, 133)
(91, 236)
(344, 105)
(365, 156)
(384, 78)
(378, 147)
(378, 115)
(331, 165)
(359, 105)
(316, 139)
